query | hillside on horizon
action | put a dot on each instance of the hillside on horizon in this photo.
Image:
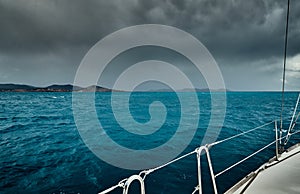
(70, 88)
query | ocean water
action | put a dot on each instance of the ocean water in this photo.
(41, 150)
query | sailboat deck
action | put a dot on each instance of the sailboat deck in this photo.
(276, 177)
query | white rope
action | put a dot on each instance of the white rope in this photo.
(196, 189)
(130, 180)
(120, 184)
(294, 124)
(240, 134)
(276, 139)
(246, 158)
(199, 151)
(146, 172)
(109, 189)
(292, 120)
(294, 113)
(288, 136)
(295, 132)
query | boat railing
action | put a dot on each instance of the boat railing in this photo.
(125, 183)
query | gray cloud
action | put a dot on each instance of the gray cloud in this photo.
(238, 33)
(239, 24)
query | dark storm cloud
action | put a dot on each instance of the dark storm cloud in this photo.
(39, 25)
(236, 32)
(237, 27)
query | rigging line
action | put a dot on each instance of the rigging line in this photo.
(289, 135)
(294, 113)
(254, 153)
(295, 132)
(246, 158)
(120, 184)
(168, 163)
(284, 63)
(232, 137)
(293, 122)
(109, 189)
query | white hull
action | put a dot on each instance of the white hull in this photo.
(276, 177)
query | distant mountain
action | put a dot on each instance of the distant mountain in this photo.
(59, 87)
(15, 86)
(94, 88)
(191, 90)
(52, 88)
(70, 88)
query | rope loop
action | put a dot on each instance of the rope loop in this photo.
(130, 180)
(122, 183)
(144, 173)
(196, 189)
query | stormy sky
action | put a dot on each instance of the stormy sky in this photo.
(43, 42)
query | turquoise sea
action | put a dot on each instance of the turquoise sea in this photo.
(41, 150)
